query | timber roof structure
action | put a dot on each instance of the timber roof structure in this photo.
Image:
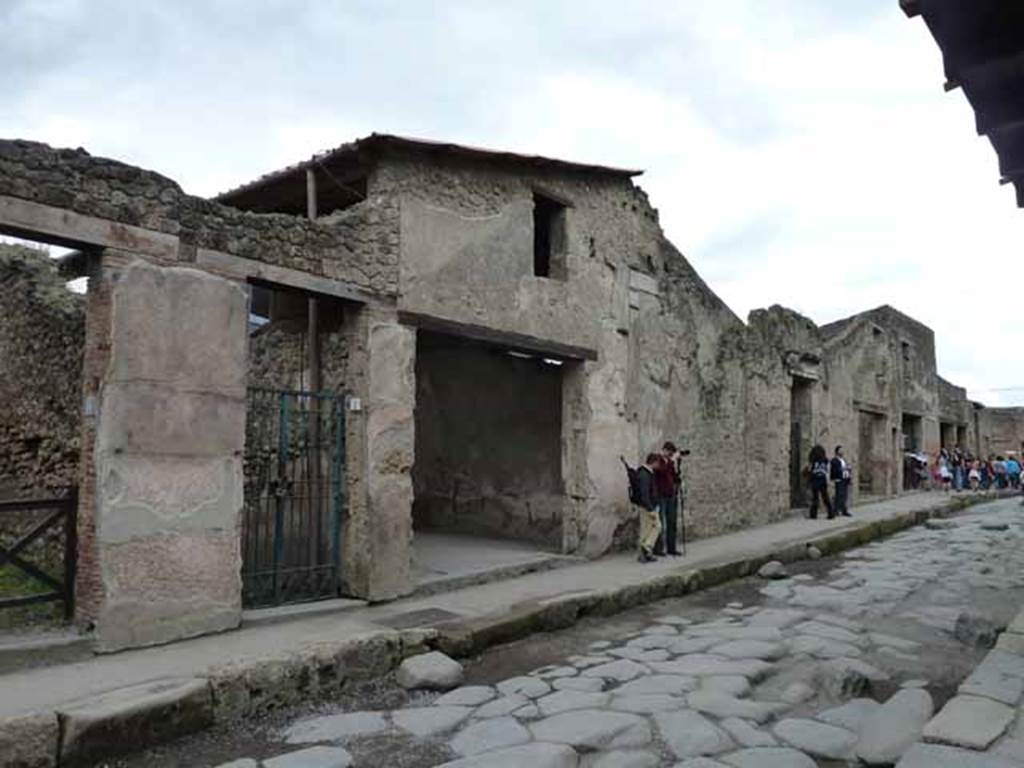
(982, 44)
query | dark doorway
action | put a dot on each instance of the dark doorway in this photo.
(799, 439)
(947, 435)
(488, 441)
(871, 464)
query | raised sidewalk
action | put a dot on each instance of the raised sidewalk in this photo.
(248, 670)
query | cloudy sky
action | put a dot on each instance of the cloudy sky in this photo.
(801, 152)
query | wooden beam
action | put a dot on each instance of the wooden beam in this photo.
(36, 221)
(517, 342)
(259, 272)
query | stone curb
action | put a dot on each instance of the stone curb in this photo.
(254, 686)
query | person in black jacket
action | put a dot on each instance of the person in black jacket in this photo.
(818, 461)
(839, 473)
(647, 505)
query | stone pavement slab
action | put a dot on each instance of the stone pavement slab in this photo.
(689, 734)
(591, 729)
(336, 728)
(526, 756)
(769, 757)
(938, 756)
(969, 721)
(313, 757)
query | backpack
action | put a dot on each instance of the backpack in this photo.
(633, 478)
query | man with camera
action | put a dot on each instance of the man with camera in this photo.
(668, 480)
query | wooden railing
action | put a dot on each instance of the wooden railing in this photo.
(39, 518)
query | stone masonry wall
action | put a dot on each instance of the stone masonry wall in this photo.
(356, 246)
(41, 339)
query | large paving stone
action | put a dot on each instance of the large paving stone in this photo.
(593, 729)
(938, 756)
(750, 649)
(730, 685)
(700, 664)
(700, 762)
(722, 705)
(969, 721)
(622, 670)
(467, 696)
(586, 684)
(890, 641)
(817, 738)
(689, 734)
(313, 757)
(779, 618)
(530, 687)
(133, 717)
(727, 632)
(652, 642)
(684, 645)
(1000, 676)
(336, 727)
(769, 757)
(426, 721)
(850, 715)
(846, 677)
(639, 654)
(890, 730)
(488, 735)
(622, 758)
(432, 671)
(822, 647)
(673, 685)
(525, 756)
(829, 632)
(747, 735)
(502, 706)
(647, 703)
(242, 762)
(564, 701)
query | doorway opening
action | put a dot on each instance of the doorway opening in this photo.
(947, 435)
(800, 439)
(488, 441)
(915, 465)
(872, 466)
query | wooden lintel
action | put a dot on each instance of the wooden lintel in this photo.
(257, 272)
(518, 342)
(31, 220)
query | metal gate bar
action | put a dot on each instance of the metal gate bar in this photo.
(294, 496)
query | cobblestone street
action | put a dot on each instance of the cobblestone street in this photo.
(838, 661)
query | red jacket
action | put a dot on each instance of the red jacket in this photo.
(666, 478)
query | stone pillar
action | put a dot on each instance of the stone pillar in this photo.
(576, 479)
(377, 545)
(169, 433)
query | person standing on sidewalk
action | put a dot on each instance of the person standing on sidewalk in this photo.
(839, 472)
(818, 461)
(647, 506)
(666, 479)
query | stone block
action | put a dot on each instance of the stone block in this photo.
(165, 588)
(890, 730)
(534, 755)
(937, 756)
(969, 721)
(313, 757)
(30, 741)
(433, 671)
(132, 718)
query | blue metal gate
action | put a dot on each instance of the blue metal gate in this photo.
(294, 496)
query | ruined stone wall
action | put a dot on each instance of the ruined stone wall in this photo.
(670, 353)
(1001, 431)
(42, 335)
(356, 245)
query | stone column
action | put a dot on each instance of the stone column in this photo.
(377, 545)
(169, 433)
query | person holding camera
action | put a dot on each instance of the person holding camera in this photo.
(667, 479)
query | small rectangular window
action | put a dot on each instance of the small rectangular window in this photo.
(549, 245)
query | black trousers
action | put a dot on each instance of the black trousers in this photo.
(819, 487)
(668, 509)
(842, 496)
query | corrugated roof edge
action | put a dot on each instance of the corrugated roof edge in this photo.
(429, 145)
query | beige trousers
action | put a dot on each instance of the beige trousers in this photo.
(650, 528)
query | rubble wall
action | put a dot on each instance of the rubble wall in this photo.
(42, 335)
(356, 245)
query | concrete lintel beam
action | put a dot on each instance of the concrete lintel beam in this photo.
(241, 268)
(23, 218)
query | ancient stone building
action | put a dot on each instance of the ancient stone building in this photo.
(282, 387)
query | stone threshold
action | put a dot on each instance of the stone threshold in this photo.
(438, 585)
(137, 716)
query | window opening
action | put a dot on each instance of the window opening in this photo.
(548, 238)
